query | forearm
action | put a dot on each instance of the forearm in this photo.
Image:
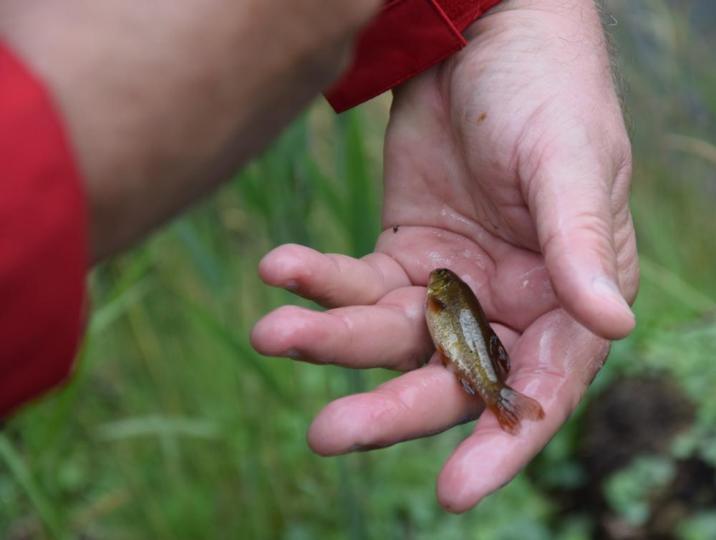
(164, 100)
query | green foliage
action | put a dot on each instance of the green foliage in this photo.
(687, 355)
(702, 526)
(629, 491)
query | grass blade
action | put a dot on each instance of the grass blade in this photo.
(24, 479)
(243, 352)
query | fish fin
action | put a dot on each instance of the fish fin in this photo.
(467, 387)
(512, 407)
(498, 352)
(443, 358)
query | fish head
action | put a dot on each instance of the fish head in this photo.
(441, 282)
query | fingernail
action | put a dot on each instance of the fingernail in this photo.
(292, 353)
(607, 289)
(291, 285)
(365, 447)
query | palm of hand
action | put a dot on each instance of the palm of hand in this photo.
(459, 161)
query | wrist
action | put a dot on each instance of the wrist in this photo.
(405, 39)
(582, 14)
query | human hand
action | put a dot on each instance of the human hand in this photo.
(523, 133)
(510, 165)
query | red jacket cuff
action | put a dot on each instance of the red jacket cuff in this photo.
(406, 38)
(43, 256)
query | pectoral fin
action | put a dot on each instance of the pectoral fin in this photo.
(467, 387)
(443, 359)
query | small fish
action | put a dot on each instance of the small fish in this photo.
(466, 342)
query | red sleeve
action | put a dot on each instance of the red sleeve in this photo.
(406, 38)
(43, 256)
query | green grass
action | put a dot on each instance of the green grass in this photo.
(174, 428)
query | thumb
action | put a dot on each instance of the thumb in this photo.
(571, 202)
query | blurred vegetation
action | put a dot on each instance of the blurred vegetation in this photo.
(174, 428)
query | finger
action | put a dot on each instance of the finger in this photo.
(570, 197)
(554, 362)
(331, 279)
(416, 404)
(390, 334)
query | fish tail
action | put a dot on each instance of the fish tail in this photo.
(512, 407)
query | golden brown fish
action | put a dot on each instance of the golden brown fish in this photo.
(464, 339)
